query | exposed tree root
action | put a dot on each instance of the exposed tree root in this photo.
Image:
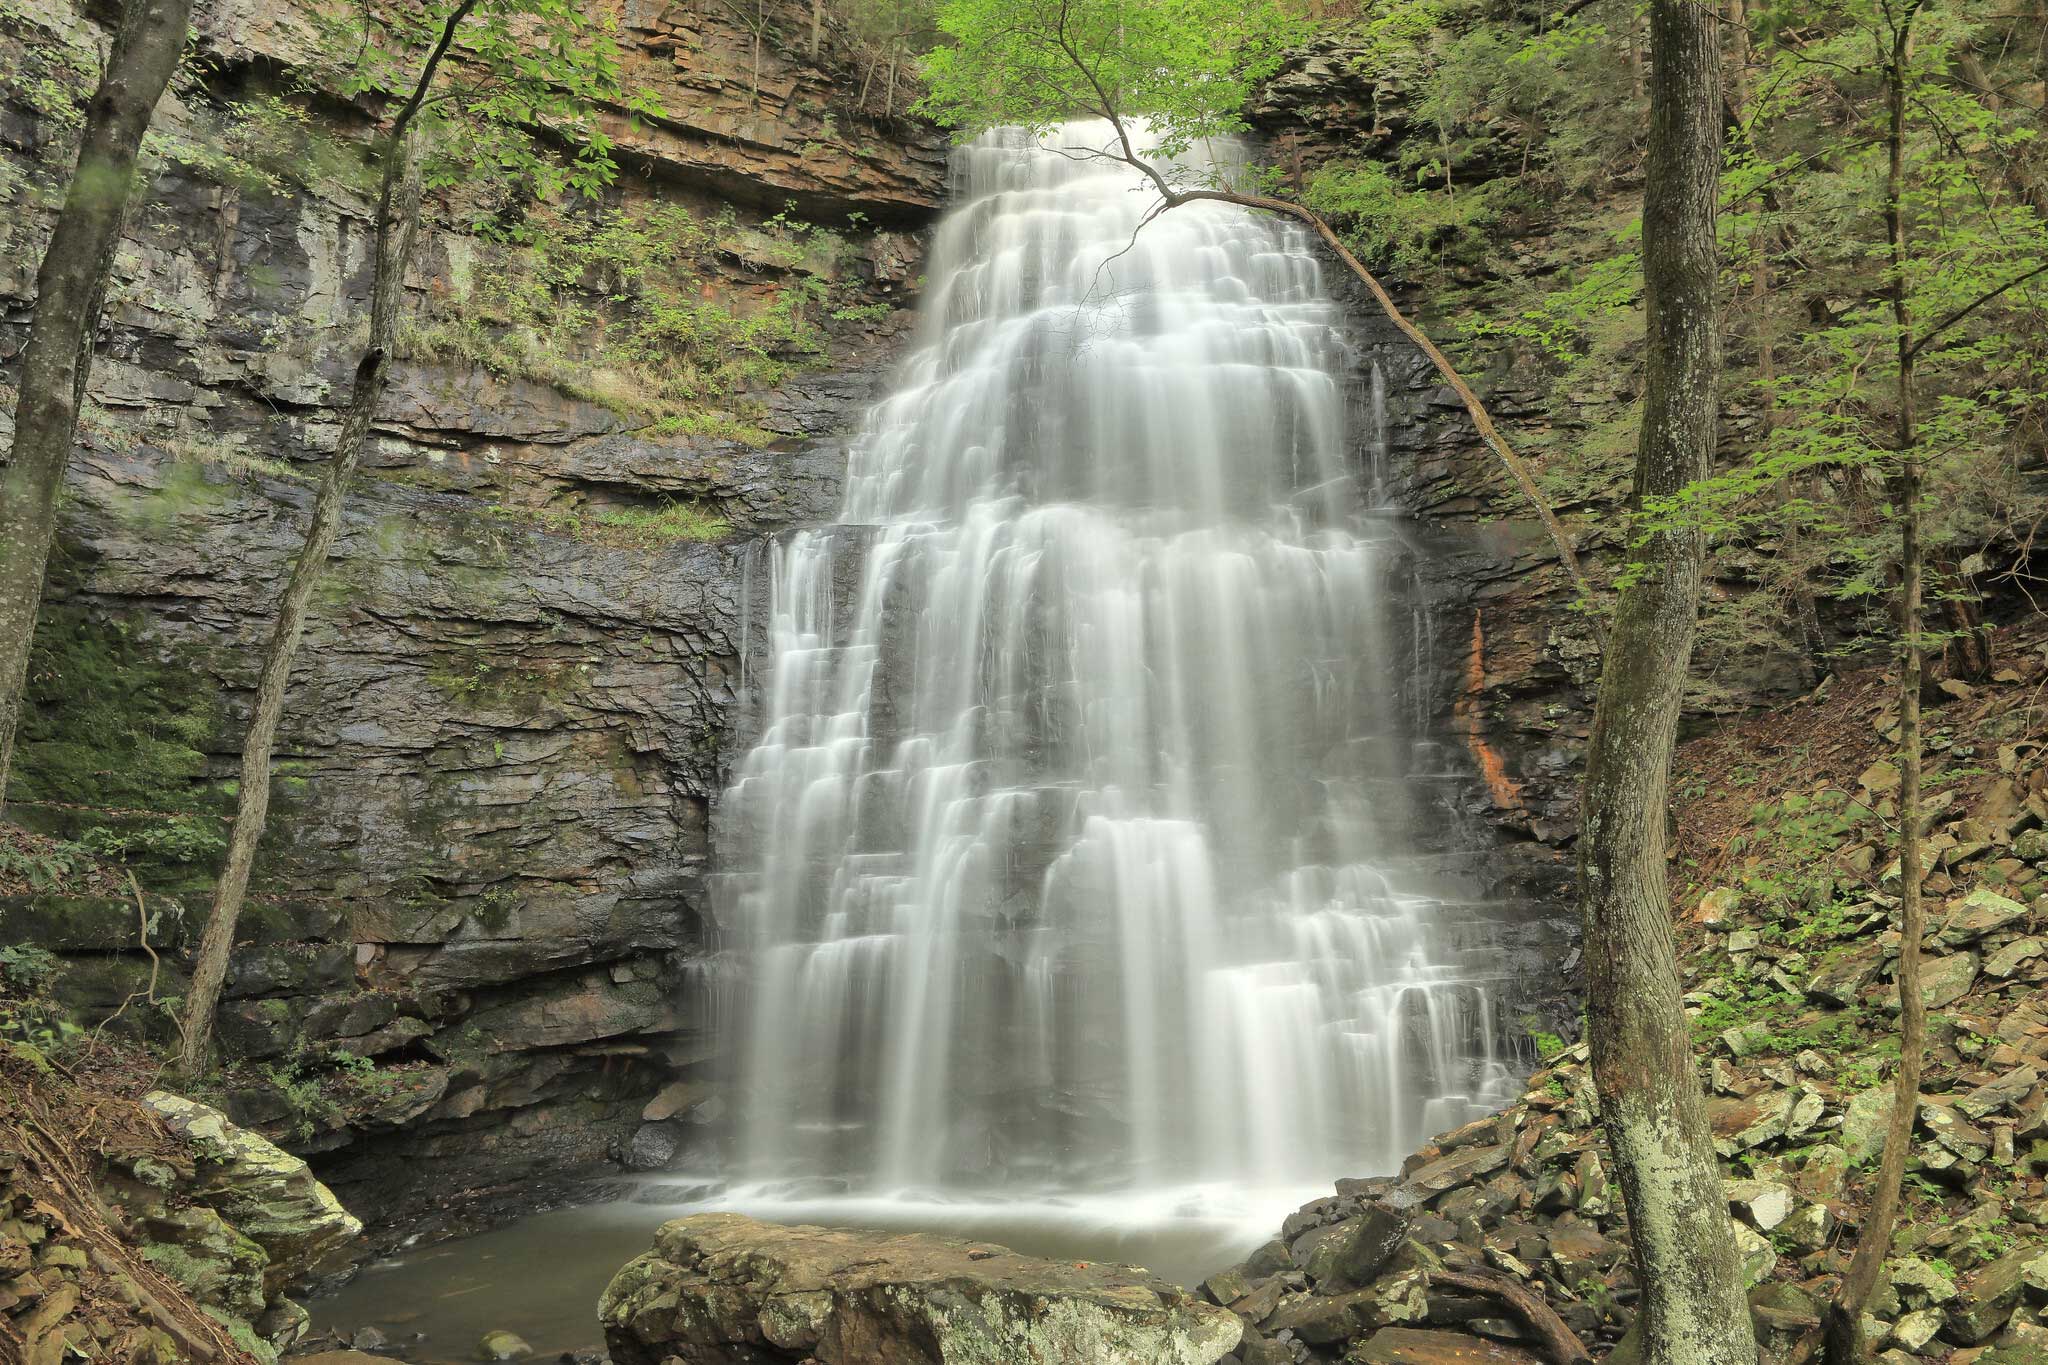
(1557, 1342)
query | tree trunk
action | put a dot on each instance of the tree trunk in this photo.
(70, 286)
(398, 212)
(817, 27)
(1843, 1328)
(1693, 1307)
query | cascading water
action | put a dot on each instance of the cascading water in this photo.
(1080, 851)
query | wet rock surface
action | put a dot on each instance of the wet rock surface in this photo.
(722, 1289)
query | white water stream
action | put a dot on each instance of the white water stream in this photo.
(1077, 867)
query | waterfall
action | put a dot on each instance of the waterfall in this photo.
(1091, 842)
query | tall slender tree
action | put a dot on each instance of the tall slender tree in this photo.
(1651, 1103)
(70, 289)
(1843, 1325)
(522, 64)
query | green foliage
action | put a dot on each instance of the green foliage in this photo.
(27, 969)
(1485, 93)
(672, 521)
(517, 66)
(300, 1086)
(178, 839)
(1806, 202)
(44, 867)
(51, 81)
(266, 145)
(1186, 68)
(610, 306)
(1548, 1045)
(113, 718)
(31, 1020)
(1789, 853)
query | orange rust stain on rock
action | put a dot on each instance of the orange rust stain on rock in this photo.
(1505, 791)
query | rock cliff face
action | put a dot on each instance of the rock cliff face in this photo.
(484, 871)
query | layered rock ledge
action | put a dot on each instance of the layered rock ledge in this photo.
(722, 1289)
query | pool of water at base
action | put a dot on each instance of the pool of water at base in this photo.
(541, 1276)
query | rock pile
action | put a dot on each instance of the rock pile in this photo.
(150, 1233)
(1791, 971)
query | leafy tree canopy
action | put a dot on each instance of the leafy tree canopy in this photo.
(1186, 68)
(515, 68)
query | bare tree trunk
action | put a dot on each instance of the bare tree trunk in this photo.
(1843, 1327)
(1693, 1307)
(70, 287)
(398, 212)
(398, 215)
(817, 27)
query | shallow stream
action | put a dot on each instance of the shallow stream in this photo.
(541, 1276)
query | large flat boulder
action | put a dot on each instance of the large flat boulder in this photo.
(723, 1289)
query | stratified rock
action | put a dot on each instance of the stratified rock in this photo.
(722, 1289)
(269, 1195)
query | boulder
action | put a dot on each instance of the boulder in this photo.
(502, 1346)
(1988, 1296)
(720, 1287)
(1981, 913)
(2009, 959)
(1412, 1346)
(269, 1195)
(1864, 1123)
(1350, 1253)
(1943, 980)
(2000, 1093)
(1843, 974)
(1741, 1123)
(1468, 1163)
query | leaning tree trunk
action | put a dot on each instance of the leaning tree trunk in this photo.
(69, 289)
(1843, 1327)
(1693, 1308)
(398, 212)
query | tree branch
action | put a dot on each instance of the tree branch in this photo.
(1959, 314)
